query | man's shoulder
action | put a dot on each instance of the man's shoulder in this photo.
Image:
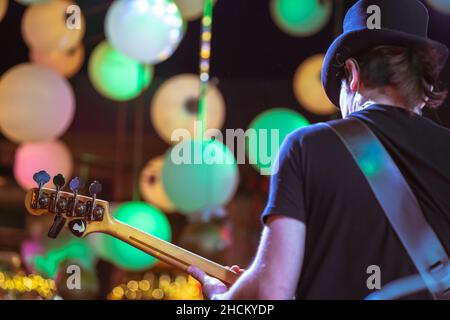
(319, 132)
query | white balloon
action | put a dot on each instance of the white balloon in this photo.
(36, 103)
(146, 30)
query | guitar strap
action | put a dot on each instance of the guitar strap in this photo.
(398, 203)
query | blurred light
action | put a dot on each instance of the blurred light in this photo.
(259, 147)
(195, 186)
(53, 156)
(150, 22)
(442, 6)
(3, 8)
(146, 218)
(308, 87)
(66, 63)
(151, 187)
(191, 9)
(116, 76)
(175, 106)
(36, 103)
(301, 17)
(45, 29)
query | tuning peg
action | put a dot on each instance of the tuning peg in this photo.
(78, 208)
(59, 181)
(76, 184)
(95, 188)
(41, 178)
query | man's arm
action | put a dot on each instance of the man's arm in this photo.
(274, 273)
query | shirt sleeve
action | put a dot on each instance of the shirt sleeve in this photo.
(286, 196)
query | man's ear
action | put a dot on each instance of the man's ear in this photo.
(354, 75)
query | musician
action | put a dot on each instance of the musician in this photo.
(324, 231)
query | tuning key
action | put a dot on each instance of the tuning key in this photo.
(41, 178)
(77, 208)
(94, 189)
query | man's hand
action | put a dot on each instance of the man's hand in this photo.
(212, 288)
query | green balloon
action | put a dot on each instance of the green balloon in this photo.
(117, 76)
(199, 176)
(301, 17)
(144, 217)
(262, 148)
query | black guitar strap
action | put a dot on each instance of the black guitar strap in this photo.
(398, 203)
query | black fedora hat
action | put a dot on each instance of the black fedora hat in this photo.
(403, 23)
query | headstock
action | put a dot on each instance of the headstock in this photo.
(83, 214)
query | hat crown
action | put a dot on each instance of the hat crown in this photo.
(409, 16)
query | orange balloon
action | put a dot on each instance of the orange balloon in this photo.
(67, 63)
(56, 25)
(308, 87)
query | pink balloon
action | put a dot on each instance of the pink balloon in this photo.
(51, 156)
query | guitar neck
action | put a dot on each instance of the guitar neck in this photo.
(167, 252)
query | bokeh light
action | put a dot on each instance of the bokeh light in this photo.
(205, 179)
(261, 148)
(143, 217)
(44, 27)
(191, 9)
(66, 63)
(3, 8)
(52, 156)
(116, 76)
(36, 103)
(308, 87)
(442, 6)
(301, 17)
(151, 187)
(28, 2)
(175, 106)
(148, 31)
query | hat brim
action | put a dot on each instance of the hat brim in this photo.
(353, 43)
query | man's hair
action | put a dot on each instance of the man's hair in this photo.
(413, 71)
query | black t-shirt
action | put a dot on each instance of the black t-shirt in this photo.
(319, 184)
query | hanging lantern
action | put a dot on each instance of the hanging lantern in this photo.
(151, 187)
(272, 124)
(308, 87)
(115, 75)
(36, 103)
(175, 106)
(199, 176)
(52, 26)
(148, 31)
(301, 18)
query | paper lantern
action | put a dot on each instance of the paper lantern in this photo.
(143, 217)
(261, 147)
(3, 8)
(146, 30)
(116, 76)
(301, 18)
(49, 27)
(191, 9)
(36, 103)
(151, 187)
(66, 63)
(308, 87)
(175, 106)
(440, 5)
(51, 156)
(199, 176)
